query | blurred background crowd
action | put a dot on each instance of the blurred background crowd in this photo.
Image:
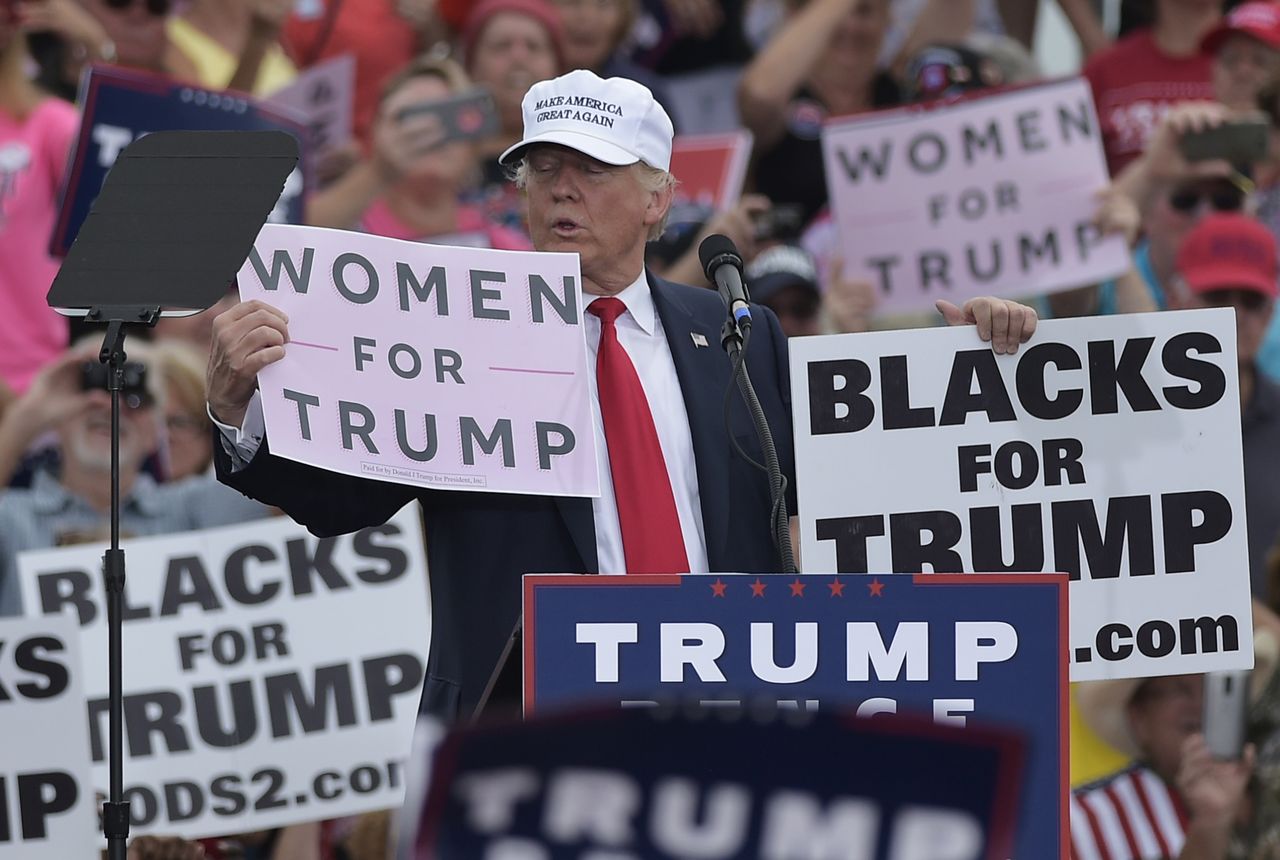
(1203, 234)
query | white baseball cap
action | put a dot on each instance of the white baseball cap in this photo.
(616, 121)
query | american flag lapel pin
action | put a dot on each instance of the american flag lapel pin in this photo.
(699, 339)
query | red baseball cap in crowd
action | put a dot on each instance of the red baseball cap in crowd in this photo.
(1227, 250)
(542, 11)
(1261, 20)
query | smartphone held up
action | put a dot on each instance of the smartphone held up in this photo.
(1226, 706)
(468, 115)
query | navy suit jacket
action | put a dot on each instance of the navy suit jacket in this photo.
(479, 544)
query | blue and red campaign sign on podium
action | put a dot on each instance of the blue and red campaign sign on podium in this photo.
(121, 105)
(657, 785)
(964, 649)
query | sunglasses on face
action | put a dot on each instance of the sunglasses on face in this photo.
(1246, 300)
(157, 8)
(1220, 199)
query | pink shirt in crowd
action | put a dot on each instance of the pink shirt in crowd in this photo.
(33, 155)
(473, 231)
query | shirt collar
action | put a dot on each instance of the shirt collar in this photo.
(639, 301)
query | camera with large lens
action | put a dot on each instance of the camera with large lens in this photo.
(133, 389)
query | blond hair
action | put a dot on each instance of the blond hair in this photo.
(428, 66)
(181, 370)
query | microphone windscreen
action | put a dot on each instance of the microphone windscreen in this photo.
(714, 247)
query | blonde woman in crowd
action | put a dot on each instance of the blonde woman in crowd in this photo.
(187, 441)
(409, 187)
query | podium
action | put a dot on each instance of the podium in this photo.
(965, 650)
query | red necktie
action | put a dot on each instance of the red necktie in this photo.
(652, 541)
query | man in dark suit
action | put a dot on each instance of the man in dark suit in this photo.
(594, 165)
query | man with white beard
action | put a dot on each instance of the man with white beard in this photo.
(68, 401)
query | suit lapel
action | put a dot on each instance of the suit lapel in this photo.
(703, 372)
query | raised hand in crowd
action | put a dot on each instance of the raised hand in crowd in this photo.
(1004, 324)
(849, 301)
(1214, 793)
(1117, 214)
(397, 144)
(84, 36)
(1083, 17)
(1163, 163)
(809, 42)
(334, 163)
(246, 338)
(266, 18)
(738, 223)
(696, 18)
(399, 141)
(55, 396)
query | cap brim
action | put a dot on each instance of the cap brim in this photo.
(600, 150)
(1213, 41)
(1226, 277)
(767, 286)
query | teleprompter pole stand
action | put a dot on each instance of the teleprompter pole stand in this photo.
(115, 809)
(174, 222)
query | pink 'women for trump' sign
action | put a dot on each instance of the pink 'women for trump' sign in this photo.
(993, 195)
(449, 368)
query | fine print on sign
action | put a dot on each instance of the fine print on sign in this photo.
(1107, 449)
(47, 808)
(965, 651)
(989, 196)
(449, 368)
(269, 676)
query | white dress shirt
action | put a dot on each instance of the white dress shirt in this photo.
(641, 334)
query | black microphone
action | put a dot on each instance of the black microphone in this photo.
(723, 266)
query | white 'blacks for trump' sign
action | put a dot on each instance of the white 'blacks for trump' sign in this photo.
(1107, 448)
(270, 677)
(989, 196)
(47, 809)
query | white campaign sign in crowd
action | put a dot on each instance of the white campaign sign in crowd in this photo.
(269, 676)
(47, 808)
(1108, 449)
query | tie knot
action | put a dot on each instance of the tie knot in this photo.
(608, 309)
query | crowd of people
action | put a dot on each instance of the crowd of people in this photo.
(1203, 233)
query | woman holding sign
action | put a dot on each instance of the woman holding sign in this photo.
(409, 186)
